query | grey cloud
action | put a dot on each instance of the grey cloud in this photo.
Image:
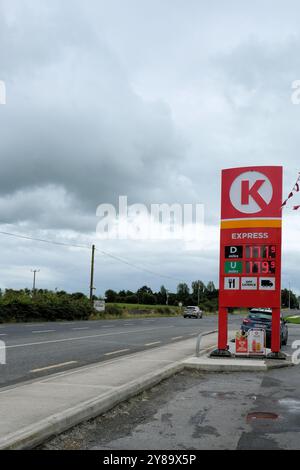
(73, 119)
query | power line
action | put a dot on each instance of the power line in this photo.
(138, 267)
(110, 255)
(52, 242)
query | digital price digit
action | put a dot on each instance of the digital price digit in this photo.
(269, 251)
(260, 267)
(260, 251)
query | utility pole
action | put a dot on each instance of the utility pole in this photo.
(167, 297)
(34, 271)
(198, 293)
(289, 296)
(92, 273)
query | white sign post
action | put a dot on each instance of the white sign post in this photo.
(2, 352)
(99, 305)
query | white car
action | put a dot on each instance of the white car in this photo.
(192, 312)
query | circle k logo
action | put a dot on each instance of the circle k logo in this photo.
(251, 192)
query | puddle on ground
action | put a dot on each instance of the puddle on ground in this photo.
(261, 415)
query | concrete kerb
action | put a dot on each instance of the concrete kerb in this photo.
(33, 435)
(202, 362)
(207, 364)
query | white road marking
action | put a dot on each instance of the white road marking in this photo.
(151, 344)
(90, 367)
(176, 337)
(43, 331)
(3, 334)
(82, 337)
(83, 328)
(54, 366)
(116, 352)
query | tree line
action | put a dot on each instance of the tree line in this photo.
(206, 296)
(42, 304)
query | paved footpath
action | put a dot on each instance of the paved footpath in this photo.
(198, 410)
(36, 410)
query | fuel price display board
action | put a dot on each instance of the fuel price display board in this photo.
(250, 242)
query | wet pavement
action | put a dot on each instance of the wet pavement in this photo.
(200, 411)
(193, 410)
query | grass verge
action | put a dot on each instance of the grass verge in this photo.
(120, 310)
(293, 319)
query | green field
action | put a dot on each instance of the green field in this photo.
(293, 319)
(122, 310)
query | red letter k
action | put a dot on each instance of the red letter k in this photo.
(253, 192)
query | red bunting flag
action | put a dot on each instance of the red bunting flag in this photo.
(296, 189)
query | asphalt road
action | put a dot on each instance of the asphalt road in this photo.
(35, 350)
(192, 410)
(39, 349)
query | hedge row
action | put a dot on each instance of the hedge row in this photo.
(49, 308)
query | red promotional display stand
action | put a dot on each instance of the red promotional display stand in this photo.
(250, 247)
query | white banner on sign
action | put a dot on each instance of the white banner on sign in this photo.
(249, 283)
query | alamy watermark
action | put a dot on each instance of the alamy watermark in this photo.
(296, 354)
(295, 96)
(160, 222)
(2, 92)
(2, 353)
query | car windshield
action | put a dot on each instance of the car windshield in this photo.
(260, 316)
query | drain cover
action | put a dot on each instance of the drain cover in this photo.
(261, 415)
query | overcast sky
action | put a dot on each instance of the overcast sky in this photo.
(144, 98)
